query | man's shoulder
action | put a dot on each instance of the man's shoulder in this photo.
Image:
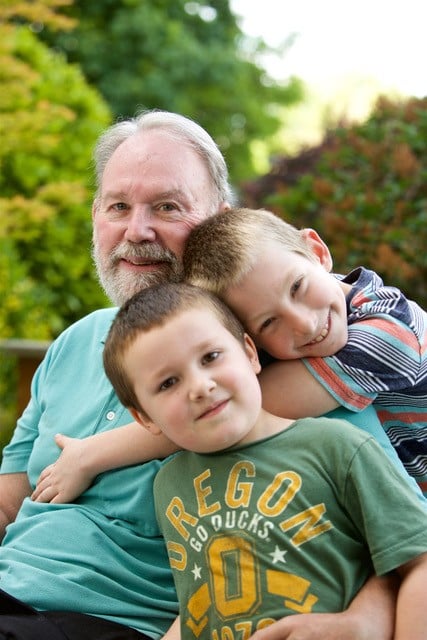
(99, 315)
(97, 322)
(87, 333)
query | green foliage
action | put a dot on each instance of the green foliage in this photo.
(182, 56)
(366, 194)
(36, 13)
(49, 119)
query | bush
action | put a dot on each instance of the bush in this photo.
(50, 119)
(364, 189)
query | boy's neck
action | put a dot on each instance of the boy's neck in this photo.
(266, 425)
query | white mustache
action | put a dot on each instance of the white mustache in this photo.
(148, 251)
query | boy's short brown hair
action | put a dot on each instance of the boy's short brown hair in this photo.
(223, 248)
(149, 308)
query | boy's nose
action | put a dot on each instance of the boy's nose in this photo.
(200, 387)
(141, 226)
(302, 321)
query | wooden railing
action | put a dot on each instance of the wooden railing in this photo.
(29, 354)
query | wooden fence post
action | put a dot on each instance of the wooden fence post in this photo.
(29, 354)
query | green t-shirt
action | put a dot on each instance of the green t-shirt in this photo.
(294, 523)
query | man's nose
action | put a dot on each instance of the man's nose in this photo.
(141, 226)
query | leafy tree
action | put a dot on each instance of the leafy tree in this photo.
(365, 190)
(189, 57)
(49, 118)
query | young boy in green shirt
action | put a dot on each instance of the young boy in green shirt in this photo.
(263, 517)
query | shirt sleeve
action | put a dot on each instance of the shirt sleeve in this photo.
(382, 354)
(373, 489)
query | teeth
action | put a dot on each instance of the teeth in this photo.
(322, 335)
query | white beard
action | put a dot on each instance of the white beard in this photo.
(119, 285)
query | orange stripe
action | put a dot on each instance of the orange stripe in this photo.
(407, 417)
(400, 332)
(343, 391)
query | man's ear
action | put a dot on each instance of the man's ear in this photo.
(95, 206)
(252, 353)
(144, 420)
(318, 248)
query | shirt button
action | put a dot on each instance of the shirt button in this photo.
(111, 415)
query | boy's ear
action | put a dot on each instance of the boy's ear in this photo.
(144, 421)
(318, 248)
(252, 353)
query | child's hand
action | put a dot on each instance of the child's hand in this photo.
(370, 615)
(313, 626)
(65, 479)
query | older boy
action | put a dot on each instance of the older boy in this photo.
(347, 341)
(271, 517)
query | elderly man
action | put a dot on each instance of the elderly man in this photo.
(98, 568)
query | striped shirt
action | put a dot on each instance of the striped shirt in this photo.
(385, 363)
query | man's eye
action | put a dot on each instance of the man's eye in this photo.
(120, 206)
(167, 206)
(167, 384)
(210, 357)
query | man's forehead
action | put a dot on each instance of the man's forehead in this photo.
(154, 156)
(155, 142)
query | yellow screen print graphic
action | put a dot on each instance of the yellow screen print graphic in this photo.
(239, 581)
(235, 586)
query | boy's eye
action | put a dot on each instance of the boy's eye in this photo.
(296, 285)
(167, 384)
(210, 357)
(266, 324)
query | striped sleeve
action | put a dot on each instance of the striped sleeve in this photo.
(383, 354)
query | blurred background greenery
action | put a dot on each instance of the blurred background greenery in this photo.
(68, 69)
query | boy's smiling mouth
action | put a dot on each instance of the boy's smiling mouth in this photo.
(213, 409)
(322, 335)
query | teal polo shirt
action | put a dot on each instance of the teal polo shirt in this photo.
(102, 555)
